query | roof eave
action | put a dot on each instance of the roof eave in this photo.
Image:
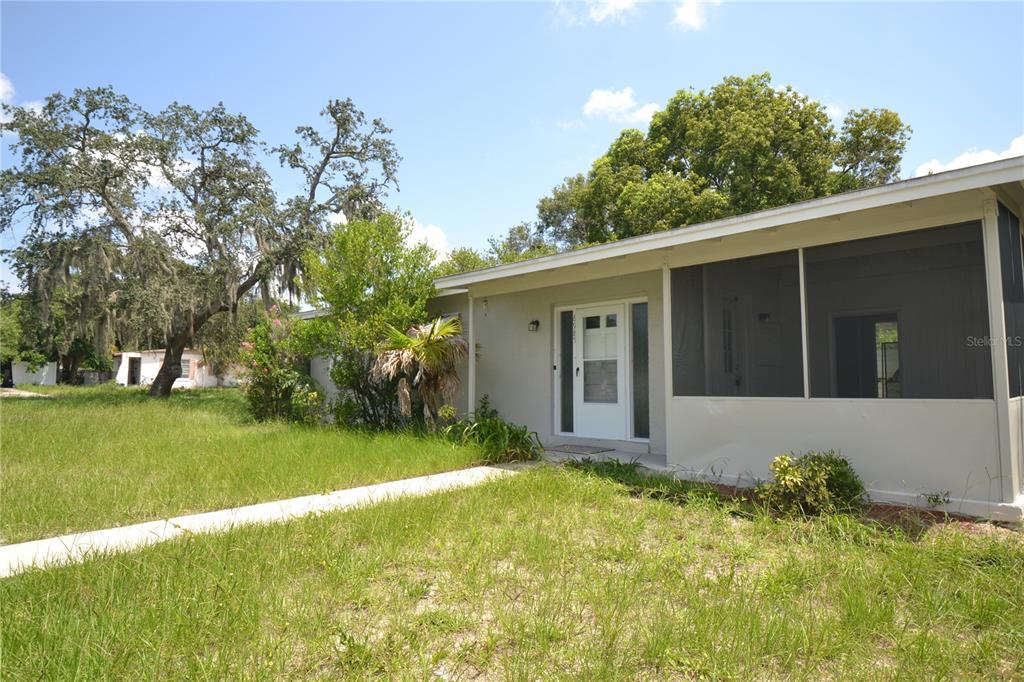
(973, 177)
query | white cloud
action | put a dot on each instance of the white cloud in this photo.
(835, 112)
(6, 95)
(692, 15)
(6, 89)
(431, 235)
(618, 105)
(602, 10)
(593, 11)
(972, 157)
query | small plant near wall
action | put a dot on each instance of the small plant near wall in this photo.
(936, 498)
(499, 440)
(812, 483)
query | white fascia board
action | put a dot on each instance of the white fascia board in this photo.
(915, 189)
(450, 292)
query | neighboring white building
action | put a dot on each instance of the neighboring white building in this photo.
(885, 323)
(46, 375)
(139, 368)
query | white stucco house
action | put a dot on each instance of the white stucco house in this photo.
(139, 368)
(885, 323)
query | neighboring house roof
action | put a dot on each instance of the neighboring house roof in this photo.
(310, 314)
(974, 177)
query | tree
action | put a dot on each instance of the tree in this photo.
(221, 338)
(175, 209)
(744, 146)
(519, 243)
(461, 260)
(425, 361)
(14, 344)
(369, 279)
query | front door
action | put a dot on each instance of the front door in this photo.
(599, 386)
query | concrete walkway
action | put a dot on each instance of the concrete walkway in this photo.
(77, 546)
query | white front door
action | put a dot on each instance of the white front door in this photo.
(599, 375)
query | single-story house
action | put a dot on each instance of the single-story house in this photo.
(139, 368)
(885, 323)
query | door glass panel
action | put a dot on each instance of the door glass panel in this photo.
(601, 359)
(641, 380)
(565, 369)
(867, 350)
(600, 381)
(887, 364)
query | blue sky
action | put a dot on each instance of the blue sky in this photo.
(489, 101)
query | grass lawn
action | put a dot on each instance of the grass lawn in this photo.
(554, 573)
(89, 458)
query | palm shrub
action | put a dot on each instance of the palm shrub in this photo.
(813, 483)
(425, 362)
(499, 440)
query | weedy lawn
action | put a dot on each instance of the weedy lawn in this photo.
(94, 457)
(553, 573)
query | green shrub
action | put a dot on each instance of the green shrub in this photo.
(274, 384)
(813, 483)
(499, 440)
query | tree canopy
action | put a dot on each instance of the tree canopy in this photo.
(159, 221)
(519, 243)
(743, 146)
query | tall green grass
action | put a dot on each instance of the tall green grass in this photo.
(89, 458)
(551, 574)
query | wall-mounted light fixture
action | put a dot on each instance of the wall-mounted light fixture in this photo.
(534, 325)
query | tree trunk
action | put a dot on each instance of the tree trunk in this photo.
(170, 369)
(69, 369)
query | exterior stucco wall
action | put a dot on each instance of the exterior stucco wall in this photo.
(150, 366)
(514, 366)
(44, 376)
(902, 449)
(457, 304)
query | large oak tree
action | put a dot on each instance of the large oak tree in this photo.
(167, 219)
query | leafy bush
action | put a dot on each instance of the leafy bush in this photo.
(499, 440)
(813, 483)
(274, 383)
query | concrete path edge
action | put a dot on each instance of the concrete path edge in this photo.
(76, 547)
